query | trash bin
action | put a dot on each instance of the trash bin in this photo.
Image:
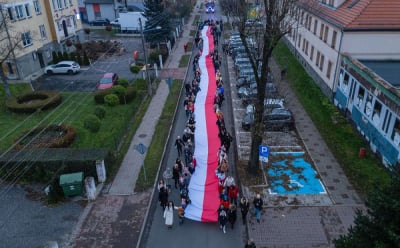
(362, 152)
(72, 183)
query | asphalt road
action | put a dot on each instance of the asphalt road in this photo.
(86, 80)
(192, 233)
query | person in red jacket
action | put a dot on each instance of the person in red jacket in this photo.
(233, 192)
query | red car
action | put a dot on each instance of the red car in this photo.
(107, 81)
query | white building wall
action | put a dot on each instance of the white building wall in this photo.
(372, 45)
(326, 68)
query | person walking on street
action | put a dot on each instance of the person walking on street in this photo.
(163, 197)
(176, 174)
(179, 145)
(169, 214)
(258, 204)
(244, 208)
(222, 218)
(232, 215)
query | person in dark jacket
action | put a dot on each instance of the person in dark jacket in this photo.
(244, 208)
(176, 174)
(232, 215)
(179, 144)
(163, 197)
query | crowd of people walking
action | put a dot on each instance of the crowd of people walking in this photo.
(185, 164)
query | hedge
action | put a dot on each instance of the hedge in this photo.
(33, 101)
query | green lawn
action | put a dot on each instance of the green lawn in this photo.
(72, 111)
(339, 135)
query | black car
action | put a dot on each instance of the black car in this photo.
(100, 22)
(275, 119)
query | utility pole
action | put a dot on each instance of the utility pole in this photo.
(149, 86)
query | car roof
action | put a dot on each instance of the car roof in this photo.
(281, 111)
(109, 75)
(66, 62)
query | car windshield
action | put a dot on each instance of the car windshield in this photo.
(106, 80)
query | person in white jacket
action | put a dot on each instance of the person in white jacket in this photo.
(169, 214)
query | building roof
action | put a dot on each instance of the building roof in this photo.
(388, 70)
(361, 14)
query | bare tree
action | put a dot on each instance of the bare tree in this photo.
(273, 23)
(9, 42)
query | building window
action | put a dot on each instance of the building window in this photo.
(312, 53)
(317, 59)
(326, 33)
(42, 31)
(19, 10)
(315, 26)
(26, 39)
(321, 62)
(36, 6)
(306, 51)
(304, 45)
(34, 55)
(70, 3)
(11, 14)
(27, 11)
(329, 69)
(59, 4)
(334, 35)
(299, 41)
(65, 3)
(321, 31)
(68, 21)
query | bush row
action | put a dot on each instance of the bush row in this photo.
(53, 136)
(33, 101)
(125, 95)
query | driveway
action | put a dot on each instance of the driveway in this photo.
(86, 80)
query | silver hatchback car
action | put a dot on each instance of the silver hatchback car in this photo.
(67, 67)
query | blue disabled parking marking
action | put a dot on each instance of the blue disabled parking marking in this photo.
(292, 174)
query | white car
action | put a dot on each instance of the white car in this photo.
(70, 67)
(115, 22)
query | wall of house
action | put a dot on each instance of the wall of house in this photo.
(316, 44)
(106, 11)
(28, 64)
(375, 45)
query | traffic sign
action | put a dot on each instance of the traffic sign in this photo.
(141, 148)
(263, 152)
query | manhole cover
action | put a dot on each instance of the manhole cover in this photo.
(142, 135)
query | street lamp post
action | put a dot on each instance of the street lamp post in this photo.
(149, 85)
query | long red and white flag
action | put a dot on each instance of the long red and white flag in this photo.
(203, 186)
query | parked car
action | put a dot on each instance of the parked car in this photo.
(247, 91)
(115, 22)
(107, 81)
(269, 104)
(70, 67)
(275, 119)
(100, 22)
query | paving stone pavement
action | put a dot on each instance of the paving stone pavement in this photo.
(307, 220)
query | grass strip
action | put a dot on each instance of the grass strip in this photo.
(184, 62)
(154, 152)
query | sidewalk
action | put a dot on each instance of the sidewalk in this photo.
(125, 180)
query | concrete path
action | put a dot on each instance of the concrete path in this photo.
(125, 180)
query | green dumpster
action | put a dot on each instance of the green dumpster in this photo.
(72, 183)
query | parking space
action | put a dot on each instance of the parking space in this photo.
(88, 77)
